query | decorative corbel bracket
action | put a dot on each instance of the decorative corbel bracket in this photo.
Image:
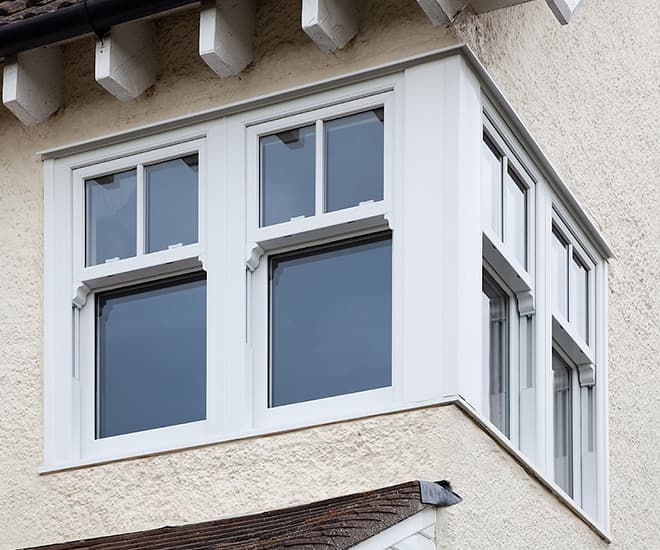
(526, 304)
(587, 374)
(389, 218)
(254, 254)
(80, 293)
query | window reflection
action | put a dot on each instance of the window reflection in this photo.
(171, 203)
(495, 334)
(288, 175)
(111, 217)
(151, 356)
(354, 159)
(563, 424)
(331, 320)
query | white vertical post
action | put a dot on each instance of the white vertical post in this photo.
(563, 9)
(441, 12)
(126, 59)
(331, 24)
(225, 35)
(461, 253)
(441, 233)
(32, 84)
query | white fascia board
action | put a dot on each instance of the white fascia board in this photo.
(126, 60)
(441, 12)
(226, 30)
(417, 524)
(331, 24)
(32, 84)
(563, 9)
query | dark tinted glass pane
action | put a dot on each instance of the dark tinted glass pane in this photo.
(111, 214)
(151, 362)
(171, 203)
(516, 218)
(495, 304)
(287, 175)
(579, 298)
(354, 159)
(559, 273)
(563, 424)
(331, 321)
(491, 188)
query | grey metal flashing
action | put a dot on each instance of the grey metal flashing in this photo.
(491, 89)
(439, 493)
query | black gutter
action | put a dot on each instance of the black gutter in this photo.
(85, 17)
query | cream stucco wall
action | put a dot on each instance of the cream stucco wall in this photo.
(589, 93)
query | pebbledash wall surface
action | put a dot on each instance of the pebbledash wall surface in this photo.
(589, 94)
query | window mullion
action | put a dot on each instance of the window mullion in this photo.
(140, 211)
(319, 177)
(503, 194)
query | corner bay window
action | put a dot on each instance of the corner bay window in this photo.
(290, 263)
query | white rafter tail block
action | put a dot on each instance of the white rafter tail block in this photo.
(442, 12)
(32, 84)
(563, 9)
(331, 24)
(226, 30)
(127, 59)
(481, 6)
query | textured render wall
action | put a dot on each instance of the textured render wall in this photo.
(589, 93)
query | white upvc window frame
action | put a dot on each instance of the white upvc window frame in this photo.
(70, 403)
(584, 361)
(517, 280)
(436, 110)
(122, 273)
(367, 218)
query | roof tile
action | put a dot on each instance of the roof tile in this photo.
(337, 523)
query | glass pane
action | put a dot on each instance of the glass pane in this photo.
(495, 304)
(287, 175)
(111, 214)
(559, 274)
(354, 159)
(579, 313)
(589, 414)
(171, 203)
(151, 362)
(516, 219)
(563, 424)
(491, 189)
(331, 321)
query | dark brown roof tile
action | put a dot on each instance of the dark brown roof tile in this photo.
(12, 11)
(337, 523)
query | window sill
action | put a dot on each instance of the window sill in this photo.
(281, 425)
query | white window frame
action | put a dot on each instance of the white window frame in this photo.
(438, 108)
(367, 218)
(517, 280)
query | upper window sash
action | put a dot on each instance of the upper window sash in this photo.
(511, 256)
(573, 306)
(142, 262)
(320, 221)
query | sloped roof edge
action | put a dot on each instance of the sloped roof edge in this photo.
(338, 523)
